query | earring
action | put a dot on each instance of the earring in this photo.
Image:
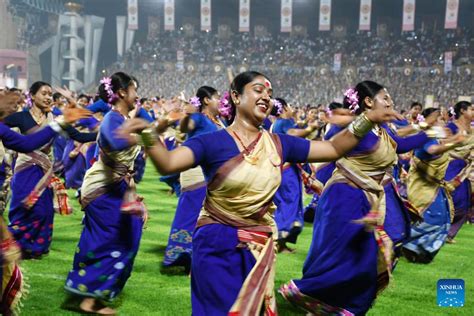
(237, 102)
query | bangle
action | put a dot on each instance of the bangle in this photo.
(60, 120)
(423, 125)
(55, 126)
(361, 126)
(149, 137)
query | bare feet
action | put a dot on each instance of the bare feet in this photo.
(450, 241)
(91, 305)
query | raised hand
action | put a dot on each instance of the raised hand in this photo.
(135, 125)
(68, 94)
(9, 102)
(383, 115)
(73, 114)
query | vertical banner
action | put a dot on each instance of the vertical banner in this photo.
(169, 15)
(286, 15)
(448, 62)
(153, 27)
(337, 62)
(365, 15)
(325, 15)
(180, 59)
(244, 16)
(132, 14)
(408, 15)
(452, 9)
(205, 15)
(120, 20)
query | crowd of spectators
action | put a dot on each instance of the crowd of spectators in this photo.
(421, 49)
(301, 69)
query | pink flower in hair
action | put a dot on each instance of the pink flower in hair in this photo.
(420, 118)
(111, 96)
(451, 111)
(353, 99)
(277, 104)
(28, 100)
(195, 102)
(225, 109)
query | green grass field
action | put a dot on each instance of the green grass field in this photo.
(151, 291)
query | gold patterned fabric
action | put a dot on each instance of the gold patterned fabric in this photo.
(359, 170)
(425, 178)
(240, 195)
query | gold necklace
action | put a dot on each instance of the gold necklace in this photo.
(38, 119)
(248, 151)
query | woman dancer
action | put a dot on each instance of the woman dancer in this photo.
(233, 250)
(205, 119)
(431, 194)
(360, 219)
(114, 214)
(460, 166)
(11, 288)
(36, 193)
(289, 196)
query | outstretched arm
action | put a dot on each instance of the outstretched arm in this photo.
(347, 139)
(166, 162)
(28, 143)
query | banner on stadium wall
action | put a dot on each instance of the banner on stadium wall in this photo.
(408, 15)
(448, 62)
(286, 15)
(465, 98)
(451, 19)
(169, 15)
(180, 60)
(337, 62)
(244, 16)
(365, 15)
(153, 27)
(325, 15)
(429, 101)
(132, 14)
(205, 15)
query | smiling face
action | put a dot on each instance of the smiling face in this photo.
(254, 102)
(129, 95)
(43, 98)
(382, 100)
(82, 102)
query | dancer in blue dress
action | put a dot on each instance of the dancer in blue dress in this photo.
(233, 249)
(203, 119)
(114, 214)
(36, 192)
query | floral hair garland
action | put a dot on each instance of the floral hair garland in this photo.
(452, 112)
(195, 102)
(420, 118)
(111, 96)
(225, 109)
(353, 99)
(28, 100)
(277, 104)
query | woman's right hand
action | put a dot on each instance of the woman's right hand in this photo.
(135, 125)
(382, 116)
(71, 115)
